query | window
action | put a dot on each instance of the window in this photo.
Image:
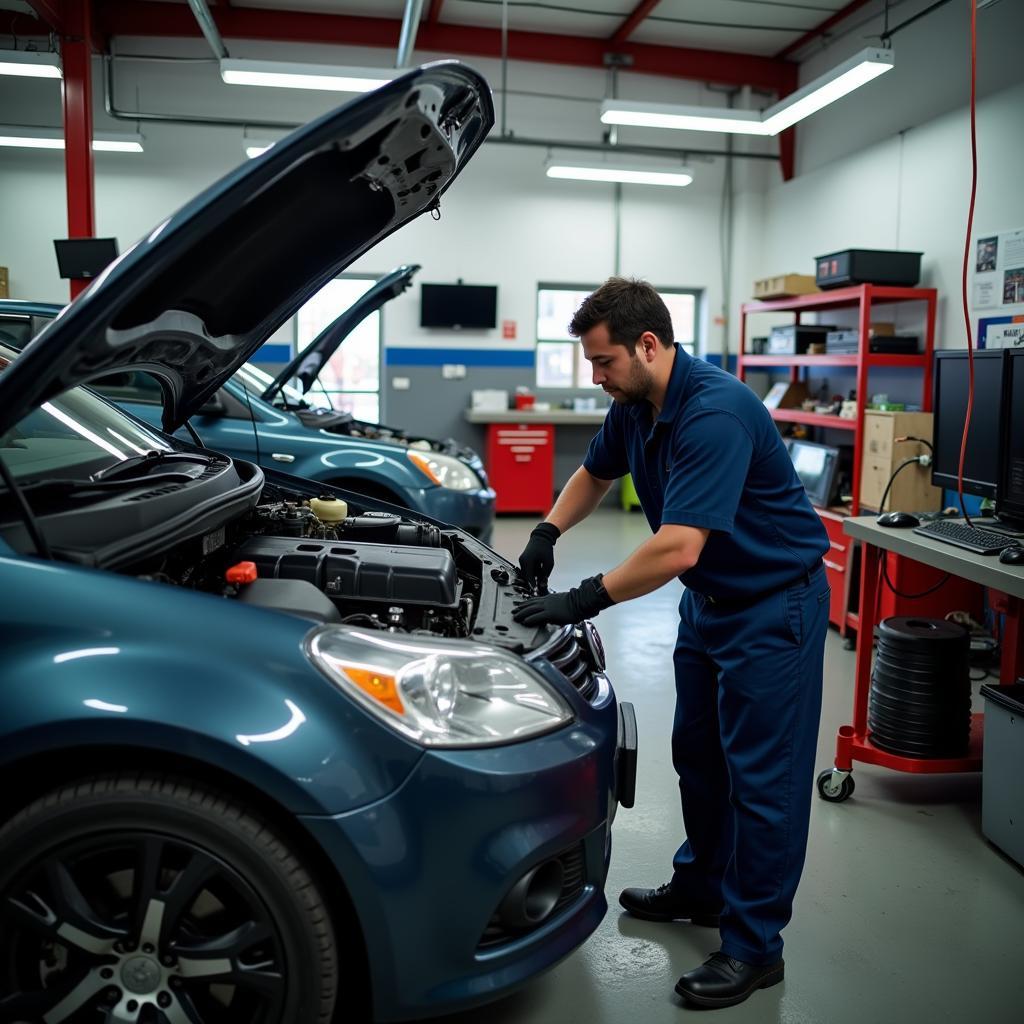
(560, 362)
(350, 382)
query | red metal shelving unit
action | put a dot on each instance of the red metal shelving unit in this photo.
(863, 297)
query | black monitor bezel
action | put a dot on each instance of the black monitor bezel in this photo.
(1008, 509)
(430, 292)
(979, 488)
(832, 470)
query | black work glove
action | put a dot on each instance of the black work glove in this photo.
(538, 557)
(575, 605)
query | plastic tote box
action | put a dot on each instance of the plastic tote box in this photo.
(868, 266)
(1002, 796)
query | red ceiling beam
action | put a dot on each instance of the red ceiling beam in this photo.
(434, 14)
(51, 13)
(149, 18)
(821, 29)
(626, 29)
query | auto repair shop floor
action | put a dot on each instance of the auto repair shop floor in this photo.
(905, 914)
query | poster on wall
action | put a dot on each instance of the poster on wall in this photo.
(998, 293)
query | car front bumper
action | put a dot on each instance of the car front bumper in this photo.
(428, 867)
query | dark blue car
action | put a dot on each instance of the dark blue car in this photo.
(266, 420)
(272, 752)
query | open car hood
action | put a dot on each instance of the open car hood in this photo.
(308, 363)
(195, 298)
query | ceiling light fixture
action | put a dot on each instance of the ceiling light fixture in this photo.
(52, 138)
(627, 174)
(285, 75)
(30, 64)
(255, 148)
(843, 79)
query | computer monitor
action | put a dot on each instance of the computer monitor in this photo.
(949, 405)
(816, 465)
(84, 258)
(1010, 499)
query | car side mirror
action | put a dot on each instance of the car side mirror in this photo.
(213, 406)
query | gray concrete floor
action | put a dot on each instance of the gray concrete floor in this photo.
(905, 914)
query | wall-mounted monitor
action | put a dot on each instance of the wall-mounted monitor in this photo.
(459, 306)
(83, 258)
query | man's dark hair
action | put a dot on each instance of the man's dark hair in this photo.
(629, 307)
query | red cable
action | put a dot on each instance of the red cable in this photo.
(967, 256)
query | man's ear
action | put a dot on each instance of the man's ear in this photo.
(650, 344)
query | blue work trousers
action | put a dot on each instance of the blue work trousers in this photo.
(748, 701)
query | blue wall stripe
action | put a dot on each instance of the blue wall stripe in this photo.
(465, 356)
(716, 359)
(274, 354)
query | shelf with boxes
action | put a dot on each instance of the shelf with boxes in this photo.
(874, 450)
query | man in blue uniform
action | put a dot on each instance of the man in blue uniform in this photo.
(732, 521)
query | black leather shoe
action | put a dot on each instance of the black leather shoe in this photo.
(723, 981)
(664, 904)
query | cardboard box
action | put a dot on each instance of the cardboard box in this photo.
(489, 400)
(912, 490)
(786, 395)
(5, 291)
(784, 286)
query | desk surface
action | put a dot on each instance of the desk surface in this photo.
(984, 569)
(565, 417)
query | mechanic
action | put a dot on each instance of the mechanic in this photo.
(732, 521)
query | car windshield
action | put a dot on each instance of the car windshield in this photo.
(256, 381)
(72, 437)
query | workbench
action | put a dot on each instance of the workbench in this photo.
(520, 453)
(1006, 595)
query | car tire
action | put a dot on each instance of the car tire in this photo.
(132, 894)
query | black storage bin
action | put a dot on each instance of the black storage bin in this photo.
(868, 266)
(1002, 796)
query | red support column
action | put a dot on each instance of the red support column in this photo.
(76, 51)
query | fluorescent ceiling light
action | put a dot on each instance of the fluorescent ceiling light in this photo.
(283, 75)
(629, 174)
(257, 147)
(52, 138)
(29, 64)
(842, 79)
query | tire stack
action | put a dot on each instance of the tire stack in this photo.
(920, 701)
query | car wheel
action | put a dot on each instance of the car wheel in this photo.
(150, 899)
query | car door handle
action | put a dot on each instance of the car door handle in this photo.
(281, 457)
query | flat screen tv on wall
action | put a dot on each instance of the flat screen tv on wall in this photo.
(459, 305)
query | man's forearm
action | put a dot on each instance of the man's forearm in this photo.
(669, 553)
(579, 497)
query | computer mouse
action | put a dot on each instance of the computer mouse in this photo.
(1012, 556)
(902, 520)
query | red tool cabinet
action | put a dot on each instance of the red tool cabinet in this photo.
(521, 466)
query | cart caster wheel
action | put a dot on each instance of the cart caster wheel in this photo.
(835, 786)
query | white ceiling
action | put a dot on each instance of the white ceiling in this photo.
(761, 27)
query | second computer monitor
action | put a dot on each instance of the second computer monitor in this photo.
(984, 441)
(1010, 500)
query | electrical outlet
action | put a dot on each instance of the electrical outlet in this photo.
(400, 383)
(453, 371)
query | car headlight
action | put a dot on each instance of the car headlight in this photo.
(438, 693)
(445, 471)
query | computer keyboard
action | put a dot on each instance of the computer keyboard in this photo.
(983, 542)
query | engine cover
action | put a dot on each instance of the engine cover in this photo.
(359, 571)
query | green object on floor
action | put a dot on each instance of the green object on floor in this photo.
(628, 495)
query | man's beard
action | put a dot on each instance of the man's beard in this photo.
(637, 387)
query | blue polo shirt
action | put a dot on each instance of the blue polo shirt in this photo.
(714, 459)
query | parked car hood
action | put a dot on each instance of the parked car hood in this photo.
(196, 297)
(308, 363)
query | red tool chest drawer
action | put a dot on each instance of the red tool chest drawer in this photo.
(521, 466)
(837, 563)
